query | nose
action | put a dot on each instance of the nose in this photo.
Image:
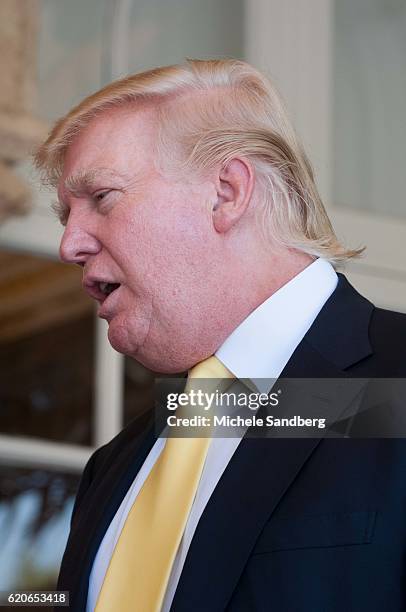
(77, 245)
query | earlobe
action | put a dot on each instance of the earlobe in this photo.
(234, 190)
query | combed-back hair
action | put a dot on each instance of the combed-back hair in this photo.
(208, 112)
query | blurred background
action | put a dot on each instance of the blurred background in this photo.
(63, 391)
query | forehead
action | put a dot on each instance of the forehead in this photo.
(119, 140)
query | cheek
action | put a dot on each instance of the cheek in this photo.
(179, 222)
(168, 249)
(184, 248)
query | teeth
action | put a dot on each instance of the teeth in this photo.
(104, 287)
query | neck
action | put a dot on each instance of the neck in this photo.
(253, 285)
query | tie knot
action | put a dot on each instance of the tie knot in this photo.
(213, 375)
(210, 368)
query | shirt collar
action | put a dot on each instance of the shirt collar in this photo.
(260, 347)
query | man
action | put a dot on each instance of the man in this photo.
(192, 209)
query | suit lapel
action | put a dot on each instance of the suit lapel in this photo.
(340, 331)
(96, 513)
(262, 469)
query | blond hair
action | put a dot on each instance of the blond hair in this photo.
(210, 111)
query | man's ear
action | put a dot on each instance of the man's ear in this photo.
(234, 185)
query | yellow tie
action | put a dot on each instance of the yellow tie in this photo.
(139, 570)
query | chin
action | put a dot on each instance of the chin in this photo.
(120, 340)
(123, 342)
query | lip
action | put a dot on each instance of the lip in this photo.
(92, 289)
(106, 308)
(90, 284)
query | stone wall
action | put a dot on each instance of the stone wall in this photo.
(20, 130)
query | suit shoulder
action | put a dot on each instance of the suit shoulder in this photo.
(387, 333)
(388, 322)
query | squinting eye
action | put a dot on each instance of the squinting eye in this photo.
(101, 195)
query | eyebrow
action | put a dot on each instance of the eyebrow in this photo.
(61, 211)
(87, 179)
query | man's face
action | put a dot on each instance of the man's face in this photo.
(148, 237)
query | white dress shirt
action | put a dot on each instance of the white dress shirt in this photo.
(258, 349)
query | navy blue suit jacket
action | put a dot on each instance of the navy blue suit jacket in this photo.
(294, 525)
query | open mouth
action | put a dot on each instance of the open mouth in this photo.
(100, 290)
(108, 288)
